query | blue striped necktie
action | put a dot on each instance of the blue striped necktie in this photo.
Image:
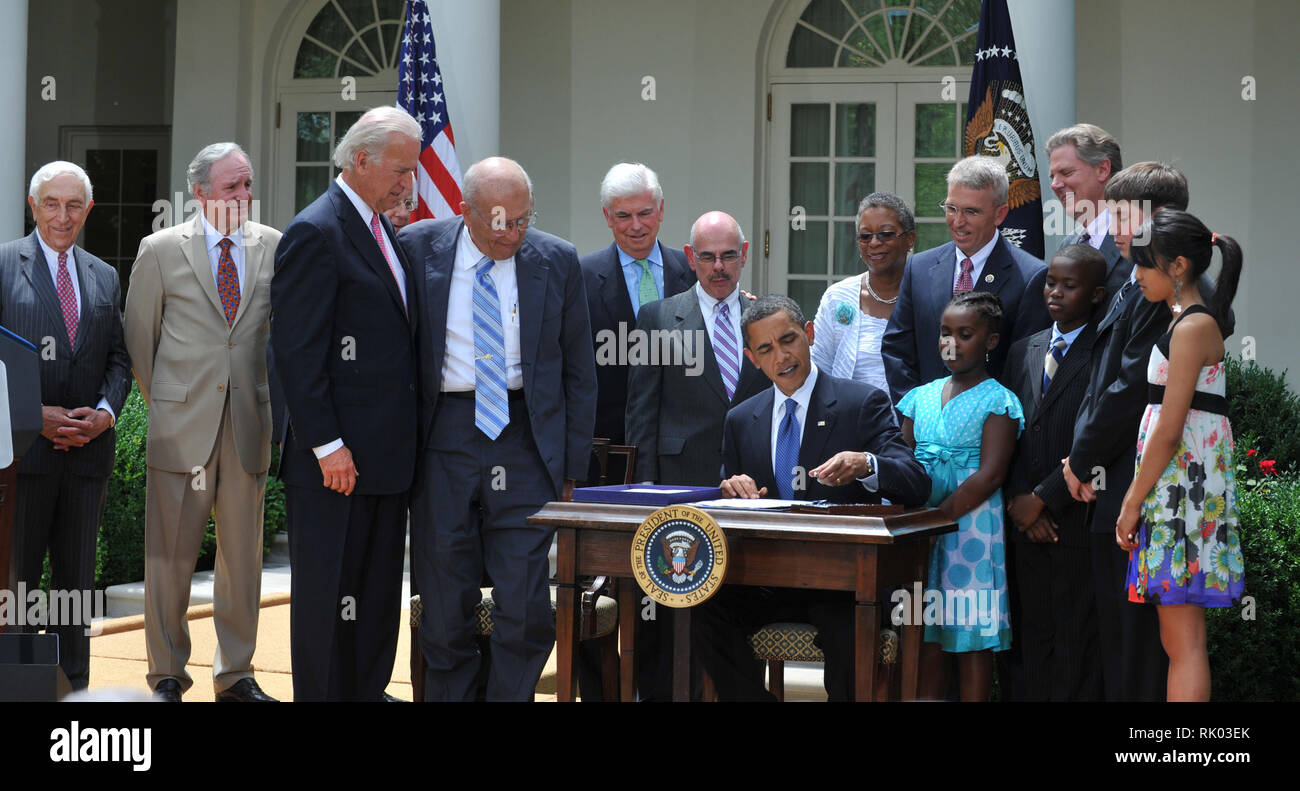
(1055, 356)
(787, 450)
(724, 346)
(491, 409)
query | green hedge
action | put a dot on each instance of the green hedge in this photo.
(120, 553)
(1255, 648)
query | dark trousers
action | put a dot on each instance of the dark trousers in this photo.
(721, 626)
(345, 553)
(1133, 662)
(1058, 623)
(654, 660)
(59, 512)
(469, 506)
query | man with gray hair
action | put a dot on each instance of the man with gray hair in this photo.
(344, 323)
(64, 301)
(198, 318)
(637, 268)
(1082, 158)
(977, 258)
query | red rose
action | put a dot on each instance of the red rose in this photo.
(1251, 452)
(1266, 466)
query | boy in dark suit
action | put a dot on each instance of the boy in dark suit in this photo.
(1048, 372)
(808, 437)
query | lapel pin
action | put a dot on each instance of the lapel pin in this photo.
(988, 278)
(821, 422)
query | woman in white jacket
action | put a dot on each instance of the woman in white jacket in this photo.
(854, 312)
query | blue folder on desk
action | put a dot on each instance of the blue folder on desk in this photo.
(645, 494)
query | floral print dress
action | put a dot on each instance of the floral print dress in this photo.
(1188, 548)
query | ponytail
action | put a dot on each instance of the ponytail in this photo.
(1229, 275)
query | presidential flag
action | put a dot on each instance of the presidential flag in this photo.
(421, 93)
(997, 125)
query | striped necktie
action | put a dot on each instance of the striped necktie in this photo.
(1055, 355)
(491, 409)
(724, 346)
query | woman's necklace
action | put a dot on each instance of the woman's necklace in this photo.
(866, 281)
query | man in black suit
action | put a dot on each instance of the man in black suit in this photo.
(507, 405)
(65, 301)
(1082, 158)
(679, 394)
(1100, 464)
(1048, 372)
(978, 258)
(808, 437)
(636, 269)
(344, 319)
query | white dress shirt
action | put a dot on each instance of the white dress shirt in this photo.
(1098, 229)
(458, 362)
(52, 261)
(802, 397)
(976, 262)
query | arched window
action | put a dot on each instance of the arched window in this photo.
(340, 59)
(863, 95)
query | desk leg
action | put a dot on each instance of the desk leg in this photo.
(681, 654)
(866, 649)
(566, 616)
(913, 634)
(629, 606)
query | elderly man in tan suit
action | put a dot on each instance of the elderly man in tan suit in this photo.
(197, 326)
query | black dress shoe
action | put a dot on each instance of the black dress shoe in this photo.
(168, 691)
(386, 698)
(245, 690)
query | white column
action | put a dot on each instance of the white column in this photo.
(468, 36)
(13, 122)
(1045, 42)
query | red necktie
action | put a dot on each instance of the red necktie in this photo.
(965, 283)
(67, 299)
(228, 281)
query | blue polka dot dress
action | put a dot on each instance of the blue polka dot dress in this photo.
(966, 606)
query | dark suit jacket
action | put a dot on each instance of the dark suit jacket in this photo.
(842, 415)
(610, 306)
(1116, 273)
(554, 338)
(675, 418)
(910, 347)
(1049, 428)
(344, 347)
(1105, 432)
(97, 368)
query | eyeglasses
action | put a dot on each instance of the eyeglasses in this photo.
(709, 259)
(968, 212)
(884, 236)
(409, 204)
(499, 226)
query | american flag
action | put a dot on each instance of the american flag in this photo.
(421, 93)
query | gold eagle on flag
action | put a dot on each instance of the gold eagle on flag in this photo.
(997, 129)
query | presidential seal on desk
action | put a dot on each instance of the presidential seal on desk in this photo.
(679, 556)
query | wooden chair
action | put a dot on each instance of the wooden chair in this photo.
(778, 643)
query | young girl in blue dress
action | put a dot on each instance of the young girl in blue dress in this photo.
(1178, 520)
(963, 429)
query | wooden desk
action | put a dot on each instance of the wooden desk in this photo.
(866, 555)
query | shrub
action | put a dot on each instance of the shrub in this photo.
(1259, 659)
(120, 552)
(1260, 404)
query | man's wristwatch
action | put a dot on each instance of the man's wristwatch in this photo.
(871, 468)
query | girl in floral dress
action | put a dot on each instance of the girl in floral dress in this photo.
(963, 429)
(1179, 518)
